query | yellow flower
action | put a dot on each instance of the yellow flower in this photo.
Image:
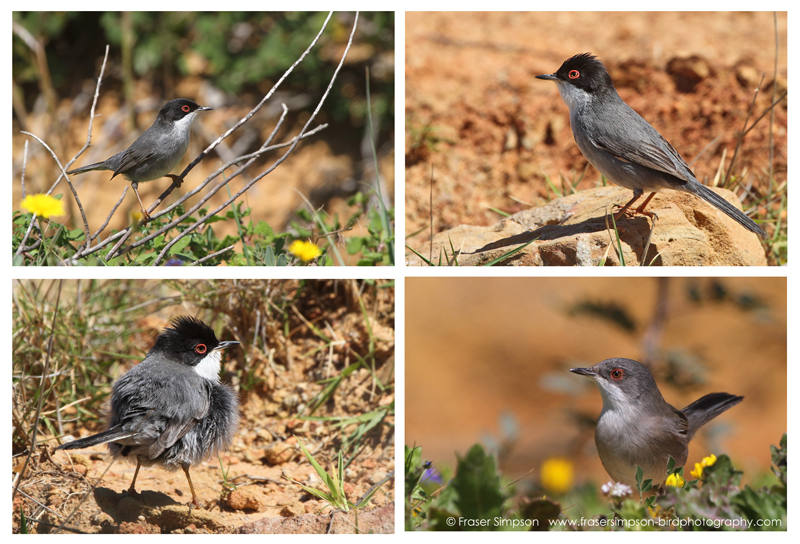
(675, 481)
(43, 205)
(557, 475)
(698, 467)
(306, 251)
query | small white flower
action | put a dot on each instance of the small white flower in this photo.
(616, 489)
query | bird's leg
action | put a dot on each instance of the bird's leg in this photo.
(145, 215)
(191, 487)
(621, 212)
(640, 209)
(132, 488)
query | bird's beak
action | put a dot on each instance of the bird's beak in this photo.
(204, 108)
(551, 77)
(583, 371)
(226, 344)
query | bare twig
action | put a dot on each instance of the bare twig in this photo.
(110, 215)
(91, 123)
(284, 156)
(64, 173)
(207, 257)
(24, 166)
(250, 114)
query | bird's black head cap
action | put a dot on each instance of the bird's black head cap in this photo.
(586, 72)
(187, 340)
(177, 109)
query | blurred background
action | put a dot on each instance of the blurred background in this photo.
(226, 60)
(488, 359)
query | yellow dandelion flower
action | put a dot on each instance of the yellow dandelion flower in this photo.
(557, 475)
(305, 251)
(43, 205)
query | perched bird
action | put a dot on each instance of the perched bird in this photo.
(621, 145)
(171, 409)
(157, 151)
(638, 427)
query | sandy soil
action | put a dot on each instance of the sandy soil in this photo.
(492, 134)
(251, 485)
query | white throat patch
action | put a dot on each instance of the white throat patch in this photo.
(208, 368)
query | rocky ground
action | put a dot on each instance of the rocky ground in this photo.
(493, 138)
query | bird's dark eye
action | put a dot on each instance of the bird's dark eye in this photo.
(574, 74)
(186, 108)
(617, 374)
(200, 348)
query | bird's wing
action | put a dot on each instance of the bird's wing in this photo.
(616, 139)
(681, 422)
(176, 427)
(131, 159)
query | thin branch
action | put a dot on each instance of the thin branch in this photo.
(252, 112)
(64, 173)
(214, 190)
(207, 257)
(91, 123)
(110, 215)
(283, 157)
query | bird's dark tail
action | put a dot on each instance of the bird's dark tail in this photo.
(111, 435)
(88, 168)
(731, 211)
(707, 408)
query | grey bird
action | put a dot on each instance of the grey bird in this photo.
(157, 151)
(638, 427)
(171, 409)
(621, 145)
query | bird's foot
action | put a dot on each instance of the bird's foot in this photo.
(177, 180)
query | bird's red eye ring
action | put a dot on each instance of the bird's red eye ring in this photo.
(617, 374)
(186, 108)
(200, 348)
(574, 74)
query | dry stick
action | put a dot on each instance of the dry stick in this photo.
(58, 180)
(207, 257)
(91, 118)
(251, 157)
(64, 172)
(110, 215)
(126, 233)
(33, 222)
(45, 373)
(279, 161)
(247, 117)
(24, 167)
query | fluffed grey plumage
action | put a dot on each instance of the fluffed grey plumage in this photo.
(171, 409)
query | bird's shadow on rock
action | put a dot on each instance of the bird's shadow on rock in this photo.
(626, 228)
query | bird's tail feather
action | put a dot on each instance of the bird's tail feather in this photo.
(111, 435)
(88, 168)
(707, 408)
(723, 205)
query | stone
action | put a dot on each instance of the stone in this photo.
(577, 230)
